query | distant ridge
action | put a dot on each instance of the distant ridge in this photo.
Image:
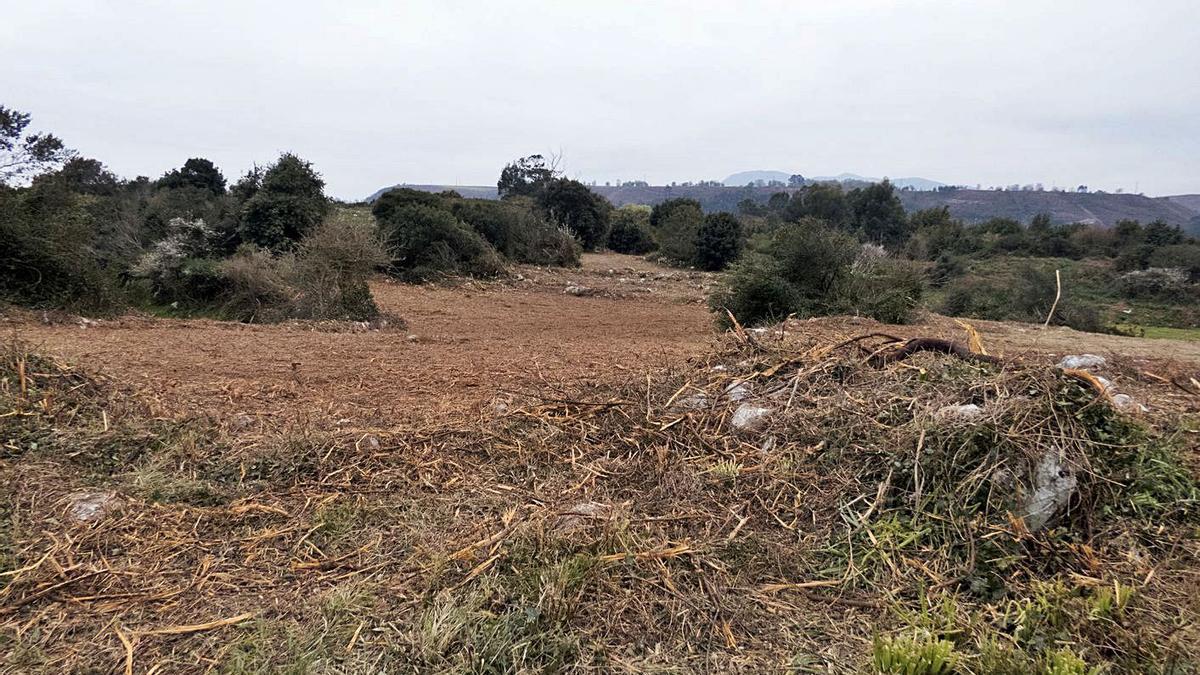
(744, 178)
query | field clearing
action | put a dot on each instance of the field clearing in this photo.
(517, 489)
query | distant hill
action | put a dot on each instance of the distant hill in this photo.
(1063, 207)
(971, 206)
(744, 178)
(1187, 201)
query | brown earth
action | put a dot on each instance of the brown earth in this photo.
(468, 344)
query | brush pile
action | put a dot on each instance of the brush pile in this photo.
(815, 506)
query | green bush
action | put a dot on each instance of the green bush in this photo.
(676, 231)
(426, 242)
(573, 206)
(885, 288)
(718, 241)
(754, 291)
(630, 230)
(517, 231)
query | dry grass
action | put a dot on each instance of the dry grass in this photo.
(591, 527)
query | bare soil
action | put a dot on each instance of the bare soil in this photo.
(461, 346)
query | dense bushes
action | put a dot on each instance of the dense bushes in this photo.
(809, 269)
(582, 212)
(425, 242)
(629, 230)
(433, 235)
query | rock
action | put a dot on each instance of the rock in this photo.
(1126, 403)
(87, 507)
(242, 422)
(719, 368)
(1104, 383)
(1082, 362)
(738, 391)
(370, 442)
(412, 338)
(579, 291)
(965, 413)
(767, 445)
(697, 401)
(749, 417)
(578, 516)
(1054, 482)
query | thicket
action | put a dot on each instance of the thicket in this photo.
(268, 247)
(931, 249)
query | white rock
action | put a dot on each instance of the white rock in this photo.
(966, 413)
(1126, 403)
(1082, 362)
(578, 291)
(738, 391)
(86, 507)
(749, 417)
(696, 401)
(719, 368)
(1054, 482)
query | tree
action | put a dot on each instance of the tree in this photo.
(572, 205)
(778, 202)
(878, 215)
(527, 176)
(23, 154)
(1159, 233)
(289, 202)
(795, 180)
(718, 241)
(197, 172)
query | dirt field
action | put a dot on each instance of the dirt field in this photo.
(465, 345)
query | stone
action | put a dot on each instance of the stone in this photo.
(578, 516)
(87, 507)
(1054, 482)
(697, 401)
(579, 291)
(1082, 362)
(749, 417)
(968, 412)
(738, 391)
(1126, 403)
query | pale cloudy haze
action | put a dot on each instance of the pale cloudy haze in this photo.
(374, 93)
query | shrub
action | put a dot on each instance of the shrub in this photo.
(425, 242)
(676, 231)
(885, 288)
(718, 241)
(630, 230)
(256, 287)
(517, 231)
(286, 205)
(1161, 283)
(754, 291)
(178, 268)
(332, 268)
(1181, 256)
(48, 256)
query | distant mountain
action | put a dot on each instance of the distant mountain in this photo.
(746, 177)
(1187, 201)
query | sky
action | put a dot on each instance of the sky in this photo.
(1059, 92)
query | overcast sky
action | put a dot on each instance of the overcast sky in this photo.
(1099, 92)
